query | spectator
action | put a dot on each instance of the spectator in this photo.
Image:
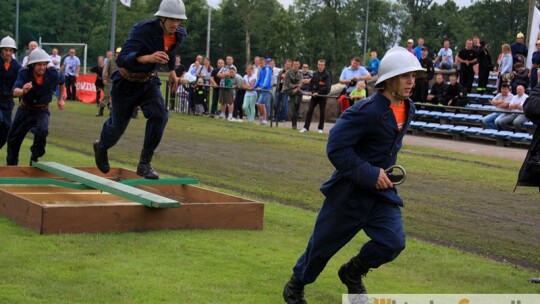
(35, 85)
(32, 45)
(205, 71)
(422, 80)
(195, 66)
(467, 59)
(418, 48)
(445, 56)
(438, 92)
(282, 98)
(55, 58)
(98, 69)
(108, 70)
(358, 93)
(199, 97)
(501, 101)
(320, 85)
(476, 48)
(352, 74)
(373, 64)
(306, 77)
(275, 73)
(535, 65)
(410, 44)
(9, 71)
(456, 93)
(239, 92)
(71, 68)
(485, 65)
(250, 98)
(518, 48)
(215, 81)
(226, 93)
(264, 85)
(520, 77)
(257, 62)
(291, 87)
(505, 67)
(516, 105)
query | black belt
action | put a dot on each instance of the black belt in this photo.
(35, 107)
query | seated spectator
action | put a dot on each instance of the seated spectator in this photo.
(358, 93)
(373, 64)
(437, 94)
(516, 105)
(456, 93)
(519, 48)
(501, 101)
(445, 57)
(520, 76)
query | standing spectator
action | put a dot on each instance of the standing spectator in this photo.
(71, 68)
(516, 105)
(35, 86)
(519, 48)
(98, 69)
(373, 64)
(445, 56)
(239, 92)
(32, 45)
(55, 58)
(225, 94)
(485, 65)
(418, 48)
(108, 70)
(363, 143)
(438, 92)
(214, 81)
(257, 63)
(151, 43)
(306, 77)
(282, 99)
(9, 70)
(275, 73)
(320, 85)
(199, 98)
(505, 67)
(456, 93)
(421, 86)
(467, 59)
(205, 71)
(535, 65)
(410, 45)
(476, 48)
(264, 85)
(250, 98)
(107, 57)
(352, 74)
(194, 67)
(501, 101)
(291, 87)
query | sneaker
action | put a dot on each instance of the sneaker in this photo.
(230, 119)
(264, 123)
(222, 116)
(239, 120)
(320, 131)
(304, 130)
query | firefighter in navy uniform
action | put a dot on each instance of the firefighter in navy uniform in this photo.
(421, 86)
(9, 69)
(149, 44)
(360, 196)
(35, 86)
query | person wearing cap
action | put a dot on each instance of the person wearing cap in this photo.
(9, 70)
(519, 48)
(150, 43)
(467, 58)
(35, 85)
(421, 86)
(410, 44)
(445, 56)
(359, 196)
(109, 68)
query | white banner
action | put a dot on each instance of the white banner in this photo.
(126, 2)
(533, 36)
(442, 299)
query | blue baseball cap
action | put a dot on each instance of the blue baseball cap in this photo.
(268, 59)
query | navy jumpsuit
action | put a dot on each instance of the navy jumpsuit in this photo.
(145, 38)
(7, 80)
(364, 139)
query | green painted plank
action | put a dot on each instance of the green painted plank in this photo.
(41, 181)
(161, 181)
(97, 182)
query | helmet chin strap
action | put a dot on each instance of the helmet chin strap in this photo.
(398, 96)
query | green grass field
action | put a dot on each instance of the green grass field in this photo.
(468, 232)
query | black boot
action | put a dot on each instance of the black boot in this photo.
(145, 168)
(100, 113)
(293, 293)
(351, 274)
(33, 158)
(102, 160)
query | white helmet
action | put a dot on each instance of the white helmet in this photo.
(174, 9)
(8, 42)
(38, 55)
(395, 62)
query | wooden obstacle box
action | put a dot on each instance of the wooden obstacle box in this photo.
(53, 198)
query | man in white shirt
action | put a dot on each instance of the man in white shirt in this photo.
(445, 56)
(71, 68)
(516, 105)
(55, 58)
(501, 101)
(32, 45)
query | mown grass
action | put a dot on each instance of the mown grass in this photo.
(460, 201)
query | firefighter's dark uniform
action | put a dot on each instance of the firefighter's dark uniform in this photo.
(32, 114)
(143, 86)
(364, 139)
(7, 80)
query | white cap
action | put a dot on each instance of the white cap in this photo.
(410, 41)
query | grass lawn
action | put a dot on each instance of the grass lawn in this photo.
(462, 214)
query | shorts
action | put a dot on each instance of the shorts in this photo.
(226, 96)
(264, 98)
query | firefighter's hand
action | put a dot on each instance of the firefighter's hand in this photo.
(61, 103)
(159, 57)
(383, 182)
(27, 87)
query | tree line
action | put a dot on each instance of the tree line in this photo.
(308, 29)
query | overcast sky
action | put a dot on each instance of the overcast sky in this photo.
(286, 3)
